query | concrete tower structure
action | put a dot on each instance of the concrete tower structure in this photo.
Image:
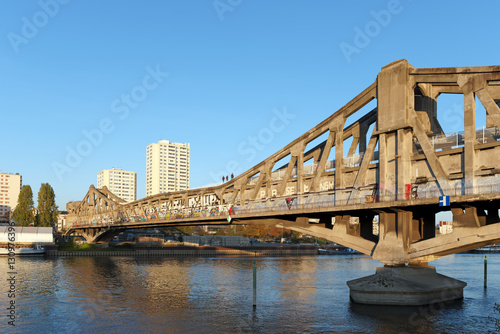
(167, 167)
(120, 182)
(10, 187)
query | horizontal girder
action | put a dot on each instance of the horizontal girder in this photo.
(393, 156)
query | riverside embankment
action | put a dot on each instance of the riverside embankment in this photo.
(185, 251)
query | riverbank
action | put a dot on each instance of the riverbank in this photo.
(190, 251)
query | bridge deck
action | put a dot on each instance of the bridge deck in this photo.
(397, 171)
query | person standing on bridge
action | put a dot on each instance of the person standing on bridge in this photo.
(232, 176)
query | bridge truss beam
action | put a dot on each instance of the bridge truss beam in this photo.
(393, 162)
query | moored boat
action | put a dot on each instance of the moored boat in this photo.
(490, 249)
(36, 249)
(337, 251)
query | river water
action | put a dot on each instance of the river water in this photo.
(305, 294)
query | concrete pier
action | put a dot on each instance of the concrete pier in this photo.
(405, 285)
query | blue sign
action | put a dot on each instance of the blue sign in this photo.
(444, 200)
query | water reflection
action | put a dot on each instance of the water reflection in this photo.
(206, 295)
(297, 280)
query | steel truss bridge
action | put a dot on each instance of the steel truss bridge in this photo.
(394, 162)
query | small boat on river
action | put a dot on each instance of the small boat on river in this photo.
(36, 249)
(337, 251)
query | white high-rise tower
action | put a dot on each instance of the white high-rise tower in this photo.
(167, 167)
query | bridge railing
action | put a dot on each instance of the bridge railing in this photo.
(314, 200)
(448, 141)
(330, 199)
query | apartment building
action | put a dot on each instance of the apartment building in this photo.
(10, 187)
(120, 182)
(167, 167)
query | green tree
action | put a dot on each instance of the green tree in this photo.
(221, 231)
(186, 230)
(47, 208)
(23, 213)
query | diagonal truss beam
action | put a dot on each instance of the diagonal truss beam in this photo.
(365, 163)
(430, 154)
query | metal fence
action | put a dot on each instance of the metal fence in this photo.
(448, 141)
(315, 200)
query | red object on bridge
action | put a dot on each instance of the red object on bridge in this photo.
(407, 191)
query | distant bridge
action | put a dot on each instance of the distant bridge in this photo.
(394, 162)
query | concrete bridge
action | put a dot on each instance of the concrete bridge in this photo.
(391, 164)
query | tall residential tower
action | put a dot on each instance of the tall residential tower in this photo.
(167, 167)
(120, 182)
(10, 187)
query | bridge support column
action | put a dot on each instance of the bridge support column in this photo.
(405, 285)
(398, 283)
(393, 243)
(89, 235)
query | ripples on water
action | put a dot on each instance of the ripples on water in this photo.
(214, 295)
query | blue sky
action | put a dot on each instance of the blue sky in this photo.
(211, 73)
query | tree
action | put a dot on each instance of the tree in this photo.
(47, 208)
(23, 213)
(221, 231)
